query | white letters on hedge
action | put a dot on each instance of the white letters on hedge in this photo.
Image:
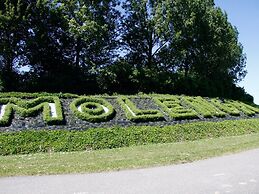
(92, 109)
(49, 106)
(96, 109)
(53, 110)
(2, 111)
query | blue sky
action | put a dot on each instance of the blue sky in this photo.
(244, 14)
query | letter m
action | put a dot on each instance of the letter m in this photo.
(50, 107)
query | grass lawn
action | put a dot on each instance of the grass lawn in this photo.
(124, 158)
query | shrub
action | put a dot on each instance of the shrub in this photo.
(27, 108)
(203, 107)
(26, 142)
(136, 115)
(174, 108)
(245, 108)
(36, 95)
(92, 109)
(226, 106)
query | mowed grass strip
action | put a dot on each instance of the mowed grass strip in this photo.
(124, 158)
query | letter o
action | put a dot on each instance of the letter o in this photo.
(93, 110)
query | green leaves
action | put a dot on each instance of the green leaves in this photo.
(92, 109)
(202, 106)
(138, 108)
(165, 46)
(35, 141)
(137, 115)
(27, 108)
(80, 20)
(175, 108)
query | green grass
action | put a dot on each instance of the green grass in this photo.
(124, 158)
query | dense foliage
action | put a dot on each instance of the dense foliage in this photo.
(20, 111)
(92, 109)
(130, 46)
(136, 115)
(31, 108)
(26, 142)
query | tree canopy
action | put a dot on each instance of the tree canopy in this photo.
(106, 46)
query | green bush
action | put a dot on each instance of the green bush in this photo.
(177, 107)
(174, 108)
(92, 110)
(36, 95)
(25, 142)
(226, 106)
(245, 108)
(140, 115)
(203, 107)
(27, 108)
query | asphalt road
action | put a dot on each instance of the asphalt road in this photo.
(238, 173)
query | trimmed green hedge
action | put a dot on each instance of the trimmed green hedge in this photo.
(226, 106)
(25, 142)
(36, 95)
(174, 108)
(27, 108)
(245, 108)
(92, 110)
(140, 115)
(203, 107)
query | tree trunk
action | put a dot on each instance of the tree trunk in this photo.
(150, 47)
(9, 65)
(78, 49)
(186, 71)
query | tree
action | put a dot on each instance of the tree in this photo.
(92, 30)
(62, 44)
(47, 44)
(30, 34)
(206, 47)
(147, 30)
(165, 46)
(12, 46)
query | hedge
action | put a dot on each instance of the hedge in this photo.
(25, 142)
(92, 110)
(203, 107)
(174, 108)
(246, 109)
(26, 108)
(36, 95)
(226, 106)
(93, 107)
(139, 115)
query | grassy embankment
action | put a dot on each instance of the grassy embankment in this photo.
(124, 158)
(99, 149)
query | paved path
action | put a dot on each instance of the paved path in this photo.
(237, 173)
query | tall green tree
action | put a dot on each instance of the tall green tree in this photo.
(31, 31)
(46, 46)
(12, 41)
(147, 30)
(92, 29)
(63, 44)
(206, 48)
(92, 26)
(167, 46)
